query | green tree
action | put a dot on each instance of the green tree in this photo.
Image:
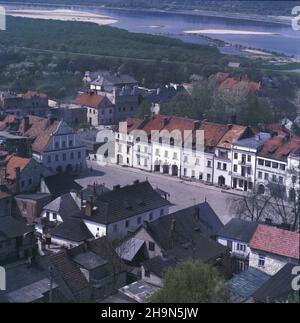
(191, 282)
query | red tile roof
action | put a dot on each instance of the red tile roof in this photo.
(279, 147)
(89, 99)
(213, 132)
(8, 120)
(132, 124)
(277, 241)
(40, 130)
(12, 163)
(222, 76)
(31, 94)
(234, 133)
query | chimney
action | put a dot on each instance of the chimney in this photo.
(116, 187)
(234, 119)
(89, 207)
(197, 213)
(18, 172)
(197, 124)
(257, 137)
(173, 226)
(26, 123)
(51, 119)
(229, 126)
(165, 120)
(136, 181)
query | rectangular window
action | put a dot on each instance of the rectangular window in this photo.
(260, 175)
(235, 168)
(219, 166)
(235, 156)
(151, 246)
(274, 178)
(280, 180)
(209, 163)
(127, 223)
(261, 261)
(162, 212)
(224, 166)
(266, 176)
(70, 143)
(150, 216)
(249, 158)
(267, 163)
(282, 166)
(275, 165)
(260, 162)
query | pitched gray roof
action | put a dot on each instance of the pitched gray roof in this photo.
(254, 142)
(278, 287)
(189, 223)
(125, 202)
(72, 229)
(238, 229)
(64, 205)
(243, 285)
(108, 78)
(12, 228)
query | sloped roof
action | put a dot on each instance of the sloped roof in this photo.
(57, 187)
(189, 224)
(243, 285)
(40, 131)
(277, 241)
(122, 203)
(12, 163)
(278, 287)
(235, 132)
(69, 271)
(280, 147)
(213, 132)
(12, 228)
(64, 205)
(89, 99)
(31, 94)
(238, 229)
(72, 229)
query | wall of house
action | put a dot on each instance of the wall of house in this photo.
(223, 241)
(273, 263)
(30, 177)
(151, 279)
(119, 229)
(63, 242)
(51, 215)
(10, 250)
(143, 235)
(5, 206)
(96, 229)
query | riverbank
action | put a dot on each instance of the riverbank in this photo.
(285, 20)
(63, 15)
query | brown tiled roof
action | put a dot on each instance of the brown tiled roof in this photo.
(40, 130)
(277, 241)
(31, 94)
(68, 270)
(234, 133)
(89, 99)
(279, 147)
(132, 124)
(12, 163)
(179, 123)
(8, 120)
(213, 132)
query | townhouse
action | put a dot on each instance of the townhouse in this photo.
(244, 154)
(19, 174)
(99, 109)
(272, 248)
(230, 156)
(120, 89)
(54, 144)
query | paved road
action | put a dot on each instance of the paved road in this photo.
(182, 194)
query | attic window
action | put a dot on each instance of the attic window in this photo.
(272, 151)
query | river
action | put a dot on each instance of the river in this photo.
(280, 38)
